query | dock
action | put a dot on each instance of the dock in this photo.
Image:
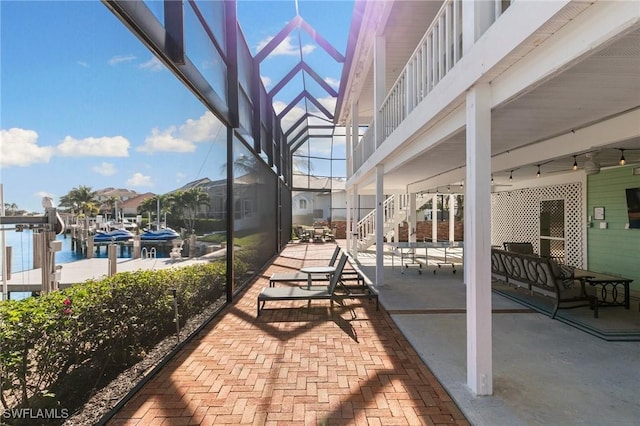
(81, 270)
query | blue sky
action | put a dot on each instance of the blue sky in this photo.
(83, 102)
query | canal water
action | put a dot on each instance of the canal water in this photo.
(21, 244)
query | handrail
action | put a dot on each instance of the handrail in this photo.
(440, 48)
(436, 53)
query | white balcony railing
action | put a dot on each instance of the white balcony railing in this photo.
(438, 51)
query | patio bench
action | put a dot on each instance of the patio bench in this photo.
(540, 275)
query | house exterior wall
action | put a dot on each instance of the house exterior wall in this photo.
(614, 249)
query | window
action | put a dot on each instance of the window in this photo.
(303, 204)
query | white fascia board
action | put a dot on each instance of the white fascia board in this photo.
(362, 179)
(598, 25)
(617, 129)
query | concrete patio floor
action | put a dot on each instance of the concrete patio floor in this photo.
(404, 364)
(545, 372)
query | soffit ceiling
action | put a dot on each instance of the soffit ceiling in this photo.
(599, 87)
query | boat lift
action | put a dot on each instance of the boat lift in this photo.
(48, 226)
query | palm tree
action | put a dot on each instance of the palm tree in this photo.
(81, 197)
(10, 209)
(189, 202)
(108, 206)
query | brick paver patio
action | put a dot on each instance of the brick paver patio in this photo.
(294, 365)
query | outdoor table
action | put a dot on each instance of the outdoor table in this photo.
(426, 245)
(317, 270)
(609, 295)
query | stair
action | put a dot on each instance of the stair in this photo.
(394, 212)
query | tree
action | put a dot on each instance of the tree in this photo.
(150, 206)
(108, 205)
(10, 209)
(80, 198)
(188, 202)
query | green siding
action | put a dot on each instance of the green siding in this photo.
(614, 250)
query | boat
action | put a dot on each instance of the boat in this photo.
(162, 234)
(110, 236)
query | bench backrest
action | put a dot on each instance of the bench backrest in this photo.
(532, 270)
(522, 248)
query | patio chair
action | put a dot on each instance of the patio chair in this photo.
(318, 235)
(329, 235)
(303, 234)
(176, 251)
(270, 294)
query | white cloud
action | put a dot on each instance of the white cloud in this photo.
(105, 169)
(116, 60)
(266, 81)
(19, 147)
(206, 128)
(165, 141)
(180, 177)
(42, 194)
(332, 82)
(286, 47)
(329, 103)
(183, 138)
(153, 64)
(138, 179)
(292, 116)
(113, 146)
(83, 64)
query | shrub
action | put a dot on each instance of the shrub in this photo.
(76, 334)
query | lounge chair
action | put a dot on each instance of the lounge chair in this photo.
(270, 294)
(301, 276)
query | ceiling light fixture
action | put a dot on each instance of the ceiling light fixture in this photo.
(575, 163)
(492, 181)
(623, 161)
(510, 175)
(538, 174)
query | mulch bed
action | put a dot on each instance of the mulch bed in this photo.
(105, 399)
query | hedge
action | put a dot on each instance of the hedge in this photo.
(69, 339)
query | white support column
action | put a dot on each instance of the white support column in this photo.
(452, 217)
(348, 224)
(412, 222)
(434, 218)
(355, 132)
(477, 238)
(379, 88)
(379, 225)
(354, 222)
(349, 149)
